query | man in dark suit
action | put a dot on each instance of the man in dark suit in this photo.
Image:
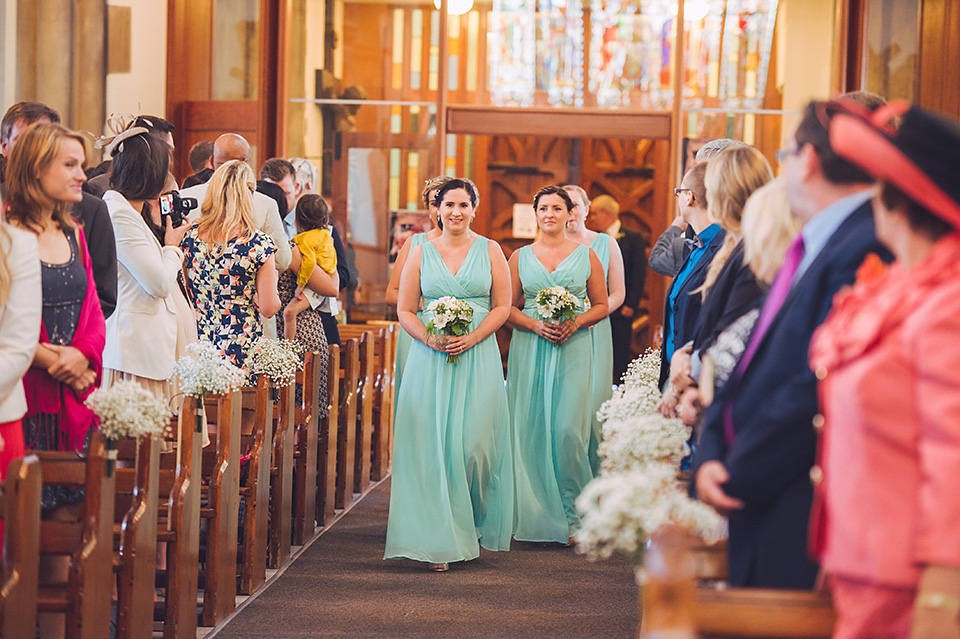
(758, 442)
(604, 217)
(91, 212)
(682, 305)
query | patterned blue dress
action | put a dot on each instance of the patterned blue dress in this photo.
(223, 288)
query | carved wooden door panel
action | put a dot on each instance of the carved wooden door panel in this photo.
(516, 168)
(635, 173)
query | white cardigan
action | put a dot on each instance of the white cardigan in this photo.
(19, 321)
(142, 331)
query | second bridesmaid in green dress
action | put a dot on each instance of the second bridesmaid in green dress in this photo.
(549, 375)
(608, 250)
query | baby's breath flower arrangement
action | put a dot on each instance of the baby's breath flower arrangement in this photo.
(638, 490)
(204, 370)
(449, 316)
(278, 359)
(621, 509)
(127, 409)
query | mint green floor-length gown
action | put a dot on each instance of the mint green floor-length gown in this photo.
(452, 489)
(549, 389)
(602, 338)
(403, 338)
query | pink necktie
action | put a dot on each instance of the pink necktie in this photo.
(771, 306)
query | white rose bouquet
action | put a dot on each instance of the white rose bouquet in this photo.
(449, 316)
(557, 304)
(278, 359)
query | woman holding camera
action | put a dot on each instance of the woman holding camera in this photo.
(142, 334)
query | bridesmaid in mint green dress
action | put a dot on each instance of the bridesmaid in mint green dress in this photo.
(452, 488)
(549, 375)
(608, 250)
(392, 294)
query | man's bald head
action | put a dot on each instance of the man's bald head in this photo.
(230, 146)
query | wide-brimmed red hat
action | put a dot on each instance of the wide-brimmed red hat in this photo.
(921, 156)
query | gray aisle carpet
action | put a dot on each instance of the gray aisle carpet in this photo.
(340, 587)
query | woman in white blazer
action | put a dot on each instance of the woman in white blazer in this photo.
(20, 309)
(152, 323)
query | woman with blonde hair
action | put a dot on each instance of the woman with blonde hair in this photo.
(608, 251)
(229, 265)
(730, 288)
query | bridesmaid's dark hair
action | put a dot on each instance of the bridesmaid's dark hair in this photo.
(553, 189)
(458, 183)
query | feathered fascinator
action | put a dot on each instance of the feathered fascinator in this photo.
(119, 128)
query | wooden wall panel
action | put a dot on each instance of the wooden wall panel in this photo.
(939, 83)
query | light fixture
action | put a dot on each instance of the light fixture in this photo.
(456, 7)
(693, 10)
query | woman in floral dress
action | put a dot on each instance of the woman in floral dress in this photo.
(230, 268)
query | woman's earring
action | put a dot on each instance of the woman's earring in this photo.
(438, 220)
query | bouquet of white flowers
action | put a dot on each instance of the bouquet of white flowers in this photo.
(449, 316)
(203, 370)
(279, 360)
(557, 304)
(630, 443)
(127, 409)
(620, 510)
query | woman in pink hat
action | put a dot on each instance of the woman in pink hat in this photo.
(886, 520)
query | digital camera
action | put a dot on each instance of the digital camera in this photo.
(176, 208)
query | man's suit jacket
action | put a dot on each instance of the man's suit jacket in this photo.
(266, 218)
(633, 247)
(686, 306)
(93, 216)
(773, 407)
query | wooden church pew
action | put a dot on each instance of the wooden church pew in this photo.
(255, 488)
(20, 508)
(87, 541)
(135, 535)
(347, 425)
(179, 527)
(281, 478)
(221, 470)
(754, 612)
(328, 442)
(305, 456)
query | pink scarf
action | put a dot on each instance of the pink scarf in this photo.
(47, 395)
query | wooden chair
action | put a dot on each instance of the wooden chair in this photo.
(179, 526)
(328, 442)
(221, 470)
(749, 612)
(281, 478)
(255, 489)
(347, 426)
(135, 535)
(20, 507)
(305, 455)
(87, 541)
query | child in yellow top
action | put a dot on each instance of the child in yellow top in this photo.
(316, 249)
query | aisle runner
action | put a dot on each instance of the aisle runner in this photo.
(340, 587)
